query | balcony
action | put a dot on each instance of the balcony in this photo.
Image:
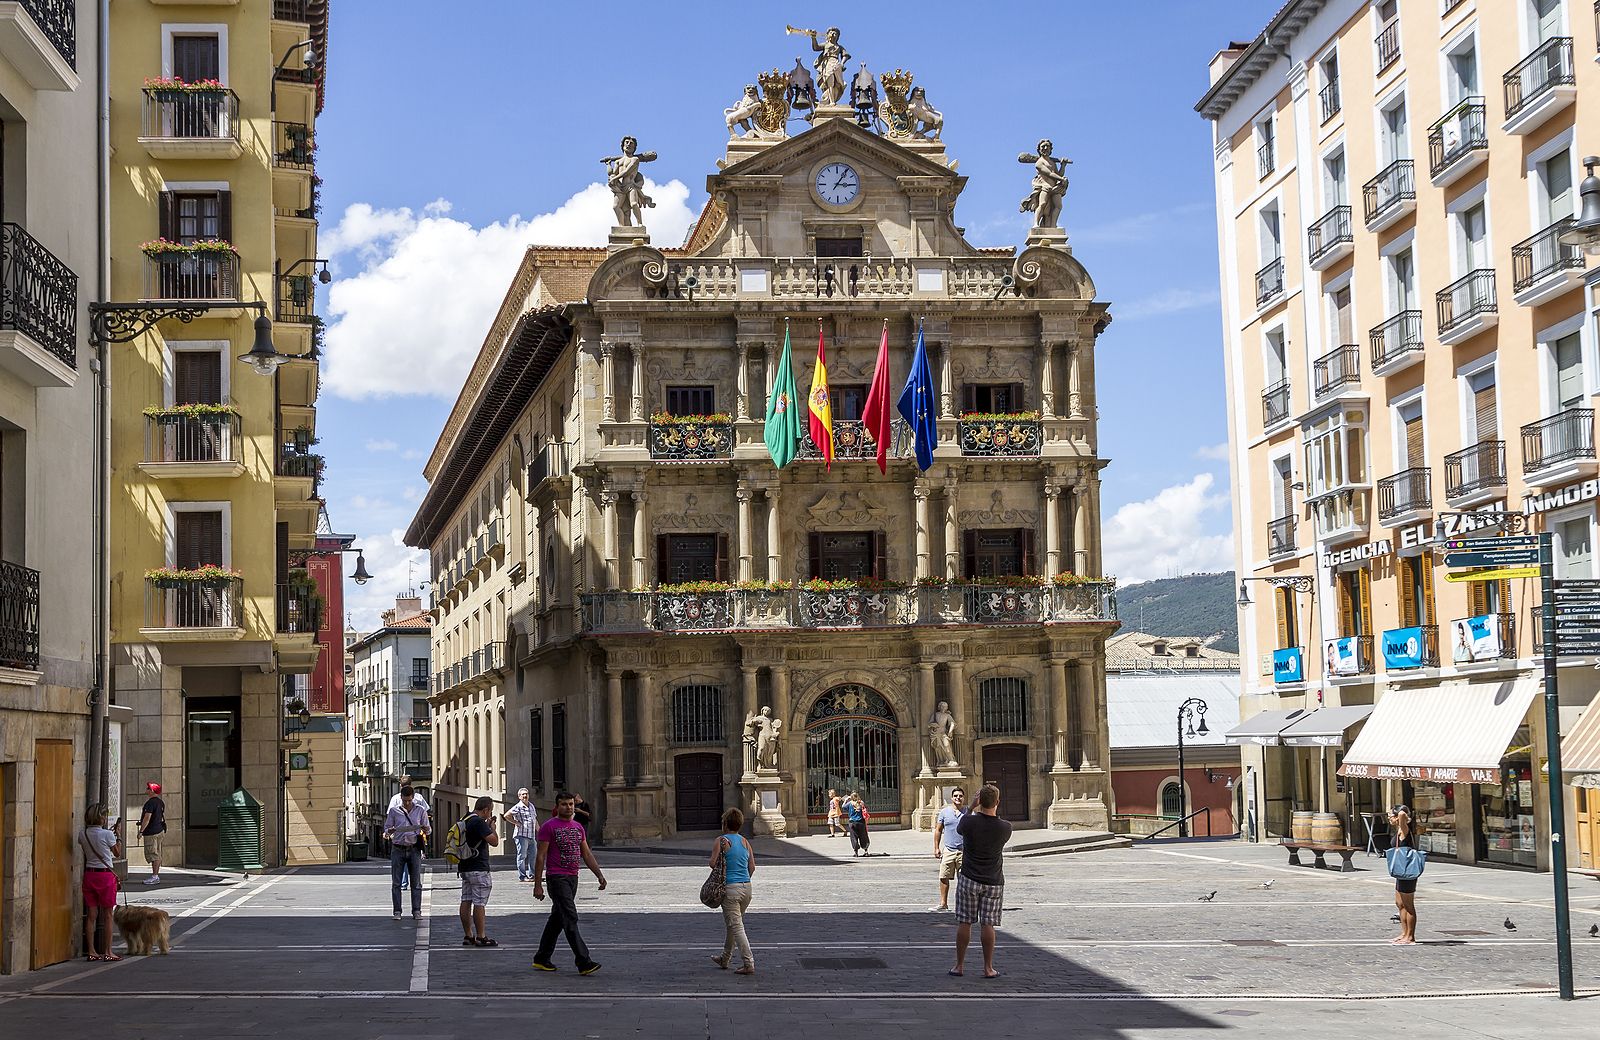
(1336, 373)
(1408, 649)
(38, 311)
(1341, 516)
(1494, 642)
(421, 722)
(1391, 195)
(1543, 267)
(1387, 44)
(297, 465)
(417, 770)
(1540, 85)
(1475, 474)
(192, 441)
(1458, 143)
(190, 121)
(1329, 96)
(852, 441)
(997, 436)
(202, 271)
(419, 681)
(19, 617)
(193, 605)
(1348, 656)
(39, 38)
(297, 299)
(551, 463)
(293, 146)
(1269, 284)
(299, 608)
(1559, 449)
(690, 438)
(492, 658)
(1406, 497)
(1275, 404)
(1266, 160)
(1281, 541)
(1467, 306)
(1330, 239)
(1396, 343)
(295, 10)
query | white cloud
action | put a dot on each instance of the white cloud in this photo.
(411, 493)
(1140, 227)
(383, 445)
(387, 559)
(1168, 533)
(413, 454)
(1167, 301)
(411, 315)
(1213, 452)
(368, 505)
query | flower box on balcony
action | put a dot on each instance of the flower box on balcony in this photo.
(179, 414)
(210, 577)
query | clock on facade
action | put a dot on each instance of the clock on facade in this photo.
(838, 184)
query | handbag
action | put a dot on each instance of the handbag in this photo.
(716, 886)
(1405, 864)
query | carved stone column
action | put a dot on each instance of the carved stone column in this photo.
(747, 685)
(636, 406)
(774, 537)
(1076, 758)
(608, 509)
(946, 397)
(952, 536)
(1052, 527)
(921, 491)
(1096, 565)
(1075, 383)
(771, 371)
(1080, 529)
(641, 537)
(614, 724)
(648, 773)
(608, 381)
(746, 547)
(924, 712)
(1047, 381)
(742, 399)
(1058, 711)
(961, 706)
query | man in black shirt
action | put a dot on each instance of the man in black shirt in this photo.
(477, 834)
(152, 825)
(980, 888)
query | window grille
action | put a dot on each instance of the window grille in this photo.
(1003, 706)
(697, 715)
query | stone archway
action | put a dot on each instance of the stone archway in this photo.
(852, 743)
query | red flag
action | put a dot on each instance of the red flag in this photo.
(876, 415)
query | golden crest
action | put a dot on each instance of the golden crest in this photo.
(774, 115)
(894, 110)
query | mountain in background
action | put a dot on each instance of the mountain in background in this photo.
(1202, 605)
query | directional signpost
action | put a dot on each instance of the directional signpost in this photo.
(1498, 574)
(1577, 602)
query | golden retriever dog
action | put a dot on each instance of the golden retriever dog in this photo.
(142, 928)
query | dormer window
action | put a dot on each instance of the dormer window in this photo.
(840, 246)
(1159, 650)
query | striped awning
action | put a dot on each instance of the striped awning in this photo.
(1580, 748)
(1456, 732)
(1263, 727)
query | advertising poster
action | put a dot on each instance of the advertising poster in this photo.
(1475, 639)
(1402, 648)
(1342, 656)
(1287, 666)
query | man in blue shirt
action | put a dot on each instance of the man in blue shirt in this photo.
(947, 843)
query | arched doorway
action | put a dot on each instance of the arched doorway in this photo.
(852, 745)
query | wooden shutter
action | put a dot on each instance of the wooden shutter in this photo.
(1364, 604)
(1484, 413)
(1407, 575)
(1425, 562)
(722, 557)
(282, 539)
(197, 377)
(814, 547)
(969, 397)
(663, 559)
(1502, 597)
(969, 553)
(196, 58)
(1285, 492)
(880, 555)
(167, 216)
(199, 539)
(1025, 540)
(1416, 453)
(1346, 585)
(1286, 625)
(225, 215)
(1480, 597)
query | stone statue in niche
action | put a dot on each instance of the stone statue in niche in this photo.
(627, 183)
(941, 736)
(1049, 185)
(761, 733)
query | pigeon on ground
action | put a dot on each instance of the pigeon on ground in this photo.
(1207, 899)
(1268, 883)
(1594, 930)
(1509, 926)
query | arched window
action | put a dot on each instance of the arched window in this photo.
(697, 715)
(1171, 799)
(1003, 706)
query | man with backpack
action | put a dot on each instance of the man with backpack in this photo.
(467, 844)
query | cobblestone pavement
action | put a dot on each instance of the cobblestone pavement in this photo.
(1099, 944)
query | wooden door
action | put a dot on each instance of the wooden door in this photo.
(52, 852)
(698, 786)
(1588, 827)
(1006, 766)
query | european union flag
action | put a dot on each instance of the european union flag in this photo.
(916, 405)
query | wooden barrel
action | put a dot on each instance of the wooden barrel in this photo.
(1300, 827)
(1326, 829)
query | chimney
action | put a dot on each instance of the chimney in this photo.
(407, 606)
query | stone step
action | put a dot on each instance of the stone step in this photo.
(1061, 843)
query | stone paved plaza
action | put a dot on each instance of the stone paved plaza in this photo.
(1107, 943)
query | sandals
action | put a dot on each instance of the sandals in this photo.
(485, 942)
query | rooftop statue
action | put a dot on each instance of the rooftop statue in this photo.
(744, 111)
(895, 108)
(830, 62)
(627, 183)
(864, 98)
(926, 121)
(1049, 185)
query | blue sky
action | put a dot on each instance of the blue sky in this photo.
(445, 148)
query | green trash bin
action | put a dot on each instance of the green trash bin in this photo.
(239, 832)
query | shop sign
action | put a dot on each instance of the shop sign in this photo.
(1288, 666)
(1449, 525)
(1358, 553)
(1343, 656)
(1402, 648)
(1545, 501)
(1475, 639)
(1434, 774)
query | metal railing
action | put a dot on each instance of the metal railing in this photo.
(19, 616)
(1388, 44)
(191, 114)
(299, 608)
(178, 437)
(852, 441)
(1329, 96)
(1269, 282)
(1548, 67)
(1266, 158)
(998, 437)
(1405, 492)
(194, 603)
(293, 146)
(1363, 654)
(292, 10)
(192, 274)
(552, 461)
(1338, 368)
(801, 277)
(1506, 635)
(492, 657)
(38, 294)
(1543, 254)
(1461, 130)
(1204, 810)
(1465, 298)
(1477, 467)
(1426, 651)
(419, 680)
(297, 299)
(1332, 229)
(302, 464)
(1003, 707)
(1275, 403)
(421, 721)
(1281, 537)
(58, 20)
(1393, 185)
(1395, 338)
(1558, 438)
(689, 439)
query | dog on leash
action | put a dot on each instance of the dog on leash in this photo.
(142, 928)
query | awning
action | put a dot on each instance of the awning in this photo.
(1263, 727)
(1580, 748)
(1324, 727)
(1456, 732)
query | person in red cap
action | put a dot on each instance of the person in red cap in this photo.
(152, 825)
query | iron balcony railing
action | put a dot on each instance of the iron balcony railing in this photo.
(690, 438)
(416, 770)
(1559, 438)
(19, 617)
(1329, 95)
(1338, 368)
(1463, 652)
(1388, 44)
(1390, 189)
(301, 464)
(58, 20)
(419, 680)
(1281, 537)
(299, 609)
(1363, 656)
(999, 436)
(1461, 130)
(1395, 338)
(1451, 5)
(1533, 77)
(1330, 231)
(552, 461)
(176, 436)
(293, 146)
(194, 603)
(1266, 158)
(493, 656)
(1475, 468)
(1269, 282)
(295, 10)
(191, 114)
(421, 721)
(1426, 651)
(297, 299)
(38, 294)
(1408, 491)
(192, 274)
(1465, 298)
(852, 441)
(1544, 254)
(1275, 403)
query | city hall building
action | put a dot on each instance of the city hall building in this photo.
(634, 602)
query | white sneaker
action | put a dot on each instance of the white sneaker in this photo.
(152, 880)
(397, 915)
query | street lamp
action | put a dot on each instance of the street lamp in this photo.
(1190, 710)
(360, 575)
(1585, 230)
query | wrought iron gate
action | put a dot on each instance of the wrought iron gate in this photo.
(852, 745)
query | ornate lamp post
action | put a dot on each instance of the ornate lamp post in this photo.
(1188, 712)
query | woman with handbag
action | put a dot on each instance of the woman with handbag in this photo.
(734, 862)
(1403, 859)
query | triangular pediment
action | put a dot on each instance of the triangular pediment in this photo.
(839, 136)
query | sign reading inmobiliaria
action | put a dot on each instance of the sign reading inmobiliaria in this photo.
(1577, 494)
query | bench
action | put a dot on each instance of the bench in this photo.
(1317, 849)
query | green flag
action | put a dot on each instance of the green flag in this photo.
(782, 431)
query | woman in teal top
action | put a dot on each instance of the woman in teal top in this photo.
(739, 863)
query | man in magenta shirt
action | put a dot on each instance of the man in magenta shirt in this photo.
(563, 847)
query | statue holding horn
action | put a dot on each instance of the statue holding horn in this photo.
(830, 62)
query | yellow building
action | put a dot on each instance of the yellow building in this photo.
(1410, 357)
(214, 481)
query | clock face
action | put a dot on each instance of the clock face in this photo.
(838, 184)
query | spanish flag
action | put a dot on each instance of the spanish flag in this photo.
(821, 407)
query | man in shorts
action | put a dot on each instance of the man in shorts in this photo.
(152, 825)
(947, 842)
(980, 887)
(477, 834)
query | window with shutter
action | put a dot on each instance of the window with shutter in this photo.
(1288, 627)
(198, 539)
(197, 377)
(1485, 415)
(1555, 183)
(1406, 574)
(196, 57)
(1426, 564)
(996, 553)
(1343, 319)
(1346, 584)
(1363, 602)
(691, 400)
(848, 400)
(1567, 353)
(998, 398)
(690, 557)
(1416, 451)
(847, 555)
(1285, 483)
